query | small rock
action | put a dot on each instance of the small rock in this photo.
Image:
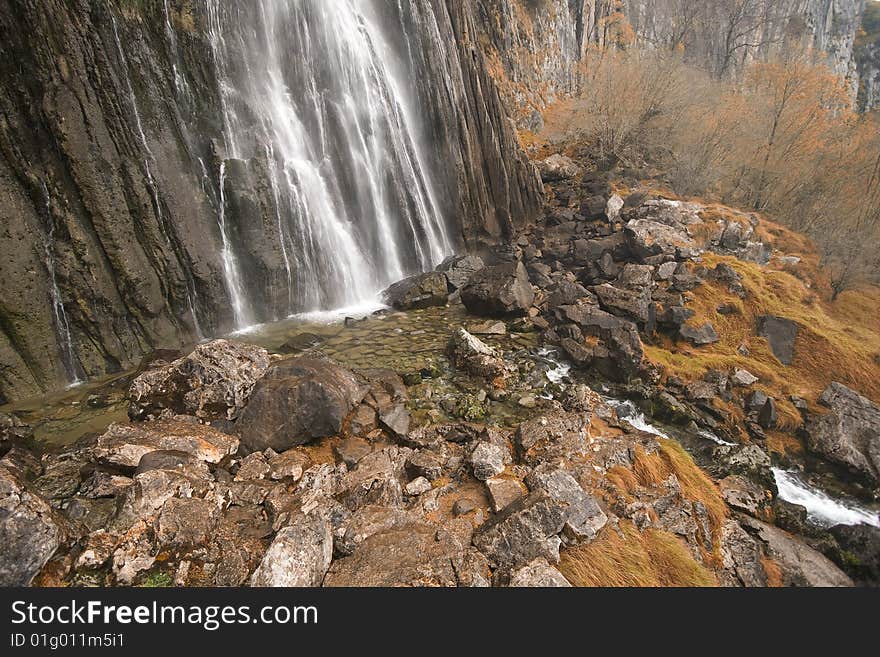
(352, 450)
(488, 328)
(613, 208)
(463, 506)
(299, 556)
(503, 492)
(538, 574)
(528, 401)
(472, 354)
(487, 460)
(558, 167)
(418, 486)
(704, 335)
(743, 378)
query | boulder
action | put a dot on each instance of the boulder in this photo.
(299, 555)
(186, 522)
(620, 337)
(593, 207)
(297, 401)
(410, 553)
(124, 445)
(487, 460)
(741, 557)
(584, 518)
(538, 574)
(675, 317)
(552, 437)
(567, 293)
(526, 530)
(459, 270)
(635, 304)
(768, 415)
(499, 290)
(13, 433)
(859, 547)
(471, 354)
(503, 492)
(647, 238)
(850, 433)
(744, 494)
(699, 336)
(780, 334)
(419, 291)
(800, 565)
(213, 382)
(30, 531)
(558, 167)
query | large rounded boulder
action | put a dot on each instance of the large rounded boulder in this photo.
(298, 400)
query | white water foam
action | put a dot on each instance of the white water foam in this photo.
(822, 509)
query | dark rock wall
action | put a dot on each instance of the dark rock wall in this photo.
(118, 194)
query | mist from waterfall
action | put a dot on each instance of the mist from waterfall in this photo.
(312, 87)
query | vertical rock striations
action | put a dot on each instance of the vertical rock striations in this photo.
(121, 201)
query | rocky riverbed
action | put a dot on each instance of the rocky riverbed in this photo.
(499, 422)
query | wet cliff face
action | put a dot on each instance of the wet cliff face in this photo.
(537, 46)
(136, 216)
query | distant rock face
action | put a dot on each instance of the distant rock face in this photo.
(850, 433)
(296, 401)
(213, 382)
(539, 45)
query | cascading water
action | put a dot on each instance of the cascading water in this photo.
(151, 182)
(180, 83)
(230, 264)
(312, 87)
(62, 325)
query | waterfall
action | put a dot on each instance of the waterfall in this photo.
(151, 182)
(180, 84)
(62, 325)
(230, 264)
(314, 87)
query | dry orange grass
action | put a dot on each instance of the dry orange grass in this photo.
(772, 571)
(836, 342)
(651, 470)
(626, 557)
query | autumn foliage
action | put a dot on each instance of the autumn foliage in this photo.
(782, 139)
